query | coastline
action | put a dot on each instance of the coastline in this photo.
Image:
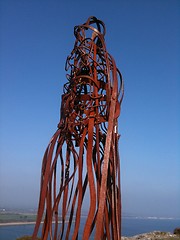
(154, 235)
(22, 223)
(16, 223)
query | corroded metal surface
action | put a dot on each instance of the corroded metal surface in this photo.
(81, 165)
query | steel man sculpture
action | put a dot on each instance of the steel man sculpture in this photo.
(81, 166)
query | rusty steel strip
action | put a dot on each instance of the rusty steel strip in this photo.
(81, 165)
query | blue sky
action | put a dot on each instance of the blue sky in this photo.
(143, 37)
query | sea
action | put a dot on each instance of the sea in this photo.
(130, 227)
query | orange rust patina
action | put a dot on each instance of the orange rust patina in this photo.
(81, 165)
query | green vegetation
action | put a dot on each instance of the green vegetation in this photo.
(27, 238)
(177, 231)
(17, 217)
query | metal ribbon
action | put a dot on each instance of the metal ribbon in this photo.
(81, 165)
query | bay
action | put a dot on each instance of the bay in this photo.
(130, 227)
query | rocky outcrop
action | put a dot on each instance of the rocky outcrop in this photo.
(157, 235)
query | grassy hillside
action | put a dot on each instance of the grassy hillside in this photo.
(17, 217)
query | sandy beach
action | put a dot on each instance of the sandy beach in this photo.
(16, 223)
(23, 223)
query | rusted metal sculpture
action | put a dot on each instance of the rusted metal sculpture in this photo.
(81, 165)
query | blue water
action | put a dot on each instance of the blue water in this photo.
(130, 227)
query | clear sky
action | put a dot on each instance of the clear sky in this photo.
(144, 38)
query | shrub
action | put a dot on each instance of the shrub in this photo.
(27, 238)
(177, 231)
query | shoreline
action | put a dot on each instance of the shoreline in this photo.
(22, 223)
(154, 235)
(16, 223)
